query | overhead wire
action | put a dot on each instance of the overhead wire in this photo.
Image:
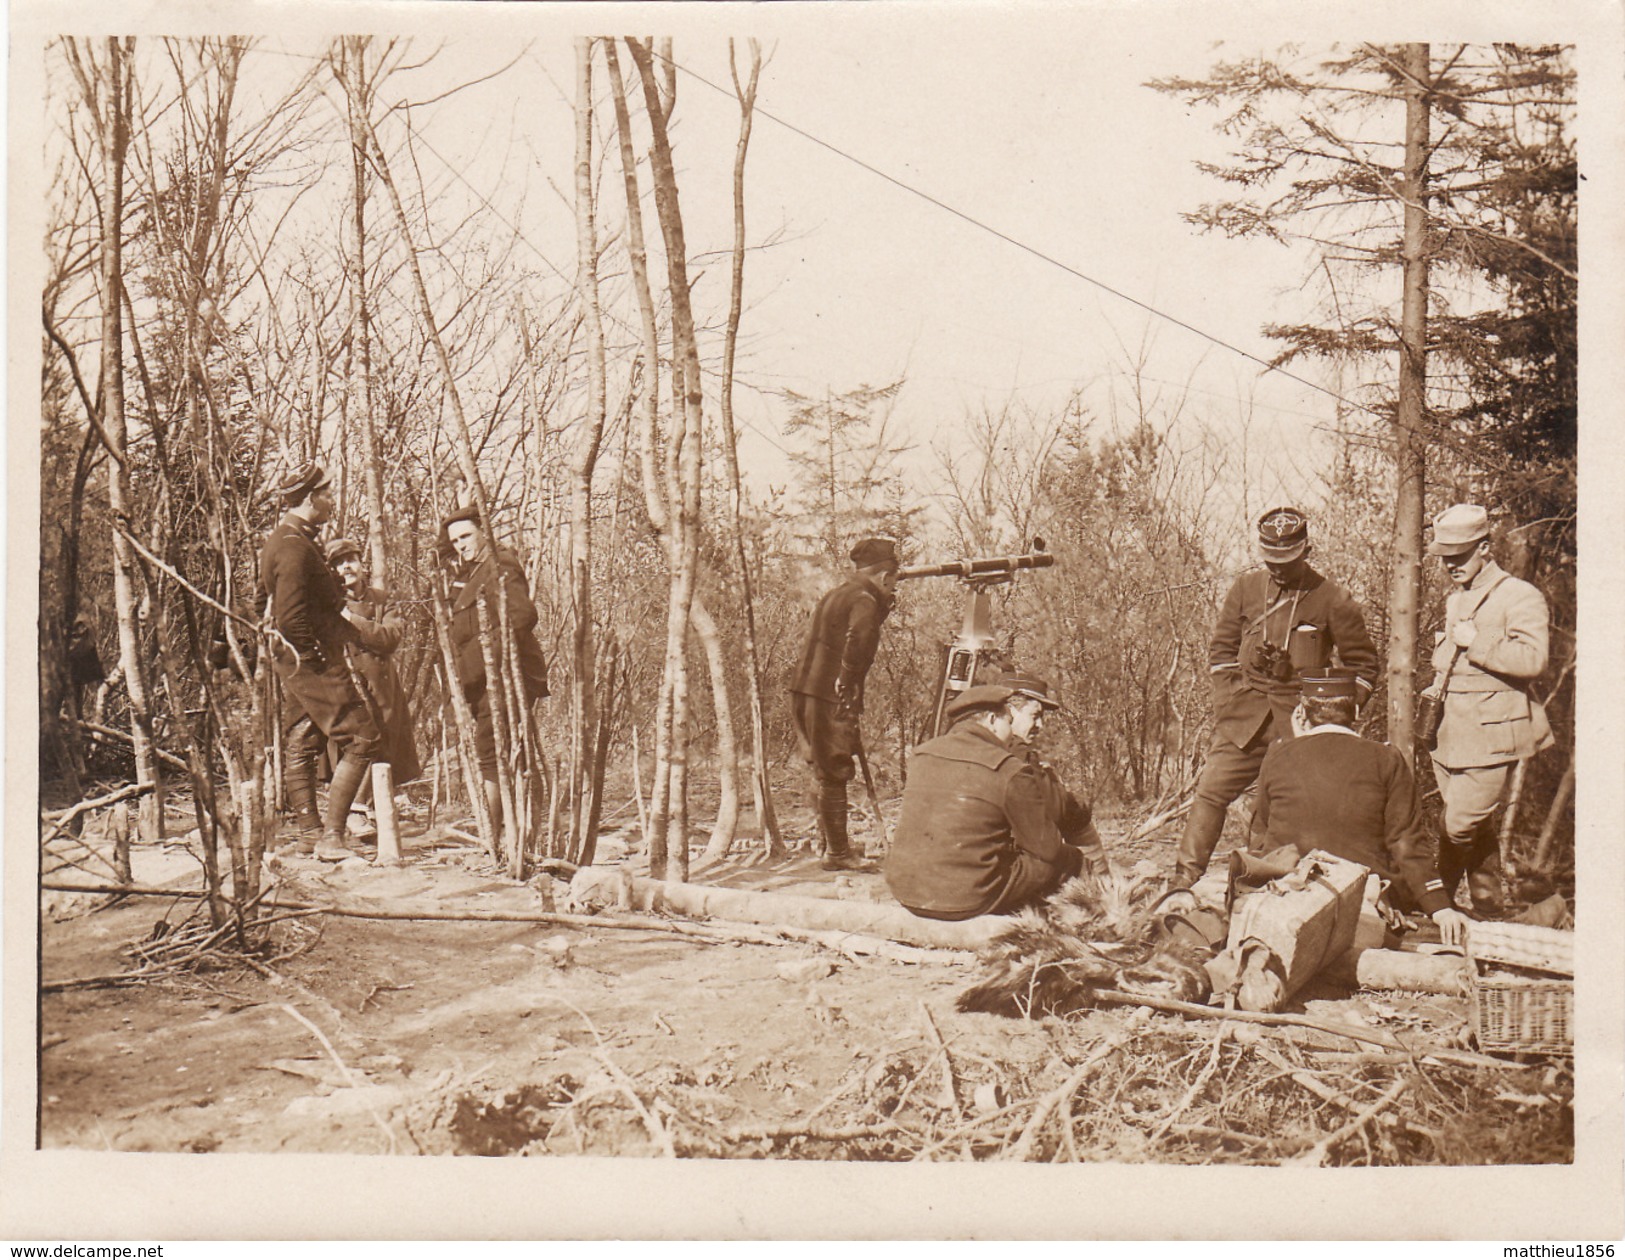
(419, 138)
(1033, 250)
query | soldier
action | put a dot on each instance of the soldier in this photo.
(827, 688)
(491, 576)
(1492, 648)
(1354, 798)
(366, 607)
(1275, 622)
(306, 609)
(977, 834)
(1072, 817)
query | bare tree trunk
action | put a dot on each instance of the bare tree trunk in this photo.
(654, 492)
(761, 790)
(727, 821)
(463, 440)
(115, 144)
(1405, 587)
(584, 741)
(686, 367)
(352, 61)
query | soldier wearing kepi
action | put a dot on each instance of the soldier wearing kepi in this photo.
(1072, 818)
(827, 688)
(1354, 798)
(977, 834)
(1276, 622)
(307, 611)
(1492, 648)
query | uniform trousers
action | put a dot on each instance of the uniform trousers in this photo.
(1471, 846)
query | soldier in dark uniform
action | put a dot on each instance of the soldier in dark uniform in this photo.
(827, 689)
(1354, 798)
(976, 836)
(1072, 817)
(308, 653)
(490, 576)
(366, 607)
(1276, 622)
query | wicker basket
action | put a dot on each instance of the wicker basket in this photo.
(1512, 1015)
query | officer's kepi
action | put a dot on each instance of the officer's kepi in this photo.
(1283, 535)
(1336, 683)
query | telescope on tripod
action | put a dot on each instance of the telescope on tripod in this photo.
(972, 649)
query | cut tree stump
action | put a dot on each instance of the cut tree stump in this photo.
(599, 886)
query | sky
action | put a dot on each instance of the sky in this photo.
(1053, 142)
(1033, 120)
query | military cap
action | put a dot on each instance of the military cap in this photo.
(975, 699)
(339, 548)
(872, 551)
(1283, 534)
(1458, 529)
(468, 512)
(1030, 685)
(301, 481)
(1335, 683)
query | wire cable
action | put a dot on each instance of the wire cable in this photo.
(1266, 364)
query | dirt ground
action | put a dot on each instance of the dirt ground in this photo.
(483, 1038)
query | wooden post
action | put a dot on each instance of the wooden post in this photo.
(383, 806)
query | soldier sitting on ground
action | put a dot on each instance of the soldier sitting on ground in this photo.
(1354, 798)
(1072, 817)
(977, 835)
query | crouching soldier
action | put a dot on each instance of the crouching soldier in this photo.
(977, 834)
(1354, 798)
(1072, 817)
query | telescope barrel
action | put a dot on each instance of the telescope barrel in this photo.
(980, 566)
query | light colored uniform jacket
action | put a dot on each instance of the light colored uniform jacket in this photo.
(1489, 716)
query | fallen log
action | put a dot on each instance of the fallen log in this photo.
(849, 943)
(607, 886)
(1406, 971)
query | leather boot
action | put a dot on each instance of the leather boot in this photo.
(1452, 864)
(347, 777)
(1484, 884)
(299, 782)
(838, 855)
(1203, 827)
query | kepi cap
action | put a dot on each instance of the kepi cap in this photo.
(1459, 528)
(1283, 534)
(1335, 683)
(338, 548)
(975, 699)
(1031, 685)
(872, 551)
(300, 482)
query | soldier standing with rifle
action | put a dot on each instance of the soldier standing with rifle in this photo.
(827, 688)
(1276, 623)
(307, 611)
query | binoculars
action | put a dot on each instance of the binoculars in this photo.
(1305, 652)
